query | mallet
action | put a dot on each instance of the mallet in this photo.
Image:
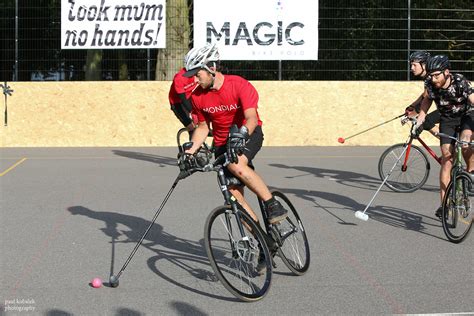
(342, 139)
(362, 215)
(114, 279)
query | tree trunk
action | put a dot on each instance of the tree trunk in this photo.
(93, 67)
(170, 59)
(122, 63)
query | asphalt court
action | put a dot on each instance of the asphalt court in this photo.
(71, 214)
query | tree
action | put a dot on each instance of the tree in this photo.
(93, 67)
(169, 59)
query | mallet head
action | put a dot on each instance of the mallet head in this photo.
(362, 216)
(113, 281)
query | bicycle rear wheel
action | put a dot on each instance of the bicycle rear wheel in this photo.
(291, 237)
(234, 246)
(457, 215)
(402, 179)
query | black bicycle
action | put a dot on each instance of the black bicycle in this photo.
(236, 245)
(457, 214)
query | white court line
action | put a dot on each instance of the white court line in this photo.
(441, 314)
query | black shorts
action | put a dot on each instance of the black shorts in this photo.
(431, 120)
(449, 125)
(252, 147)
(182, 112)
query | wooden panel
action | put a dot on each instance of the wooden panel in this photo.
(295, 113)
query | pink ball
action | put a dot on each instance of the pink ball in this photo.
(96, 283)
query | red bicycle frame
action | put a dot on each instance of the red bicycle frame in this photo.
(428, 149)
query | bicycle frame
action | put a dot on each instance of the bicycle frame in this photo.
(410, 141)
(457, 163)
(457, 167)
(429, 150)
(272, 238)
(232, 201)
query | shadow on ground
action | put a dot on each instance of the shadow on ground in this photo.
(162, 161)
(343, 208)
(127, 229)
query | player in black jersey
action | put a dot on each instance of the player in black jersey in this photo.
(453, 95)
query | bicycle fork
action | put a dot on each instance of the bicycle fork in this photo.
(461, 202)
(243, 248)
(408, 149)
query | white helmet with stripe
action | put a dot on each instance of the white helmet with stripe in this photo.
(201, 58)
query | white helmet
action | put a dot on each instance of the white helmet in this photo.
(192, 52)
(197, 59)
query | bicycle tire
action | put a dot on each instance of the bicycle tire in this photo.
(410, 180)
(457, 215)
(234, 257)
(293, 244)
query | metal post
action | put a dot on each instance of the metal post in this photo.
(16, 41)
(409, 39)
(148, 67)
(279, 70)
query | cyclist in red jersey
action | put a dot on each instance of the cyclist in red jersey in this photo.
(179, 97)
(225, 100)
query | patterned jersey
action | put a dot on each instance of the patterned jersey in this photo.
(452, 101)
(181, 84)
(225, 106)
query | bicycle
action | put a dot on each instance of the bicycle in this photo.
(456, 215)
(413, 170)
(235, 243)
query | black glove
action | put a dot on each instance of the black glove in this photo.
(202, 157)
(186, 161)
(236, 142)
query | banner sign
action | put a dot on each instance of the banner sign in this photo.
(258, 29)
(103, 24)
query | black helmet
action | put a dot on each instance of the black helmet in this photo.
(419, 56)
(438, 62)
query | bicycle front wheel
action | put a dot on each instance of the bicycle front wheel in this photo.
(291, 237)
(235, 247)
(404, 178)
(457, 215)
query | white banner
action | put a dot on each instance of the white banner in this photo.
(103, 24)
(258, 29)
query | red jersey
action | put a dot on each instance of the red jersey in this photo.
(181, 84)
(225, 106)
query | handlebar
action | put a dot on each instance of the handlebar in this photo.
(406, 119)
(462, 142)
(202, 156)
(413, 120)
(220, 162)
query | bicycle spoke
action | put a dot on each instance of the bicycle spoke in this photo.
(294, 249)
(457, 216)
(226, 228)
(404, 178)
